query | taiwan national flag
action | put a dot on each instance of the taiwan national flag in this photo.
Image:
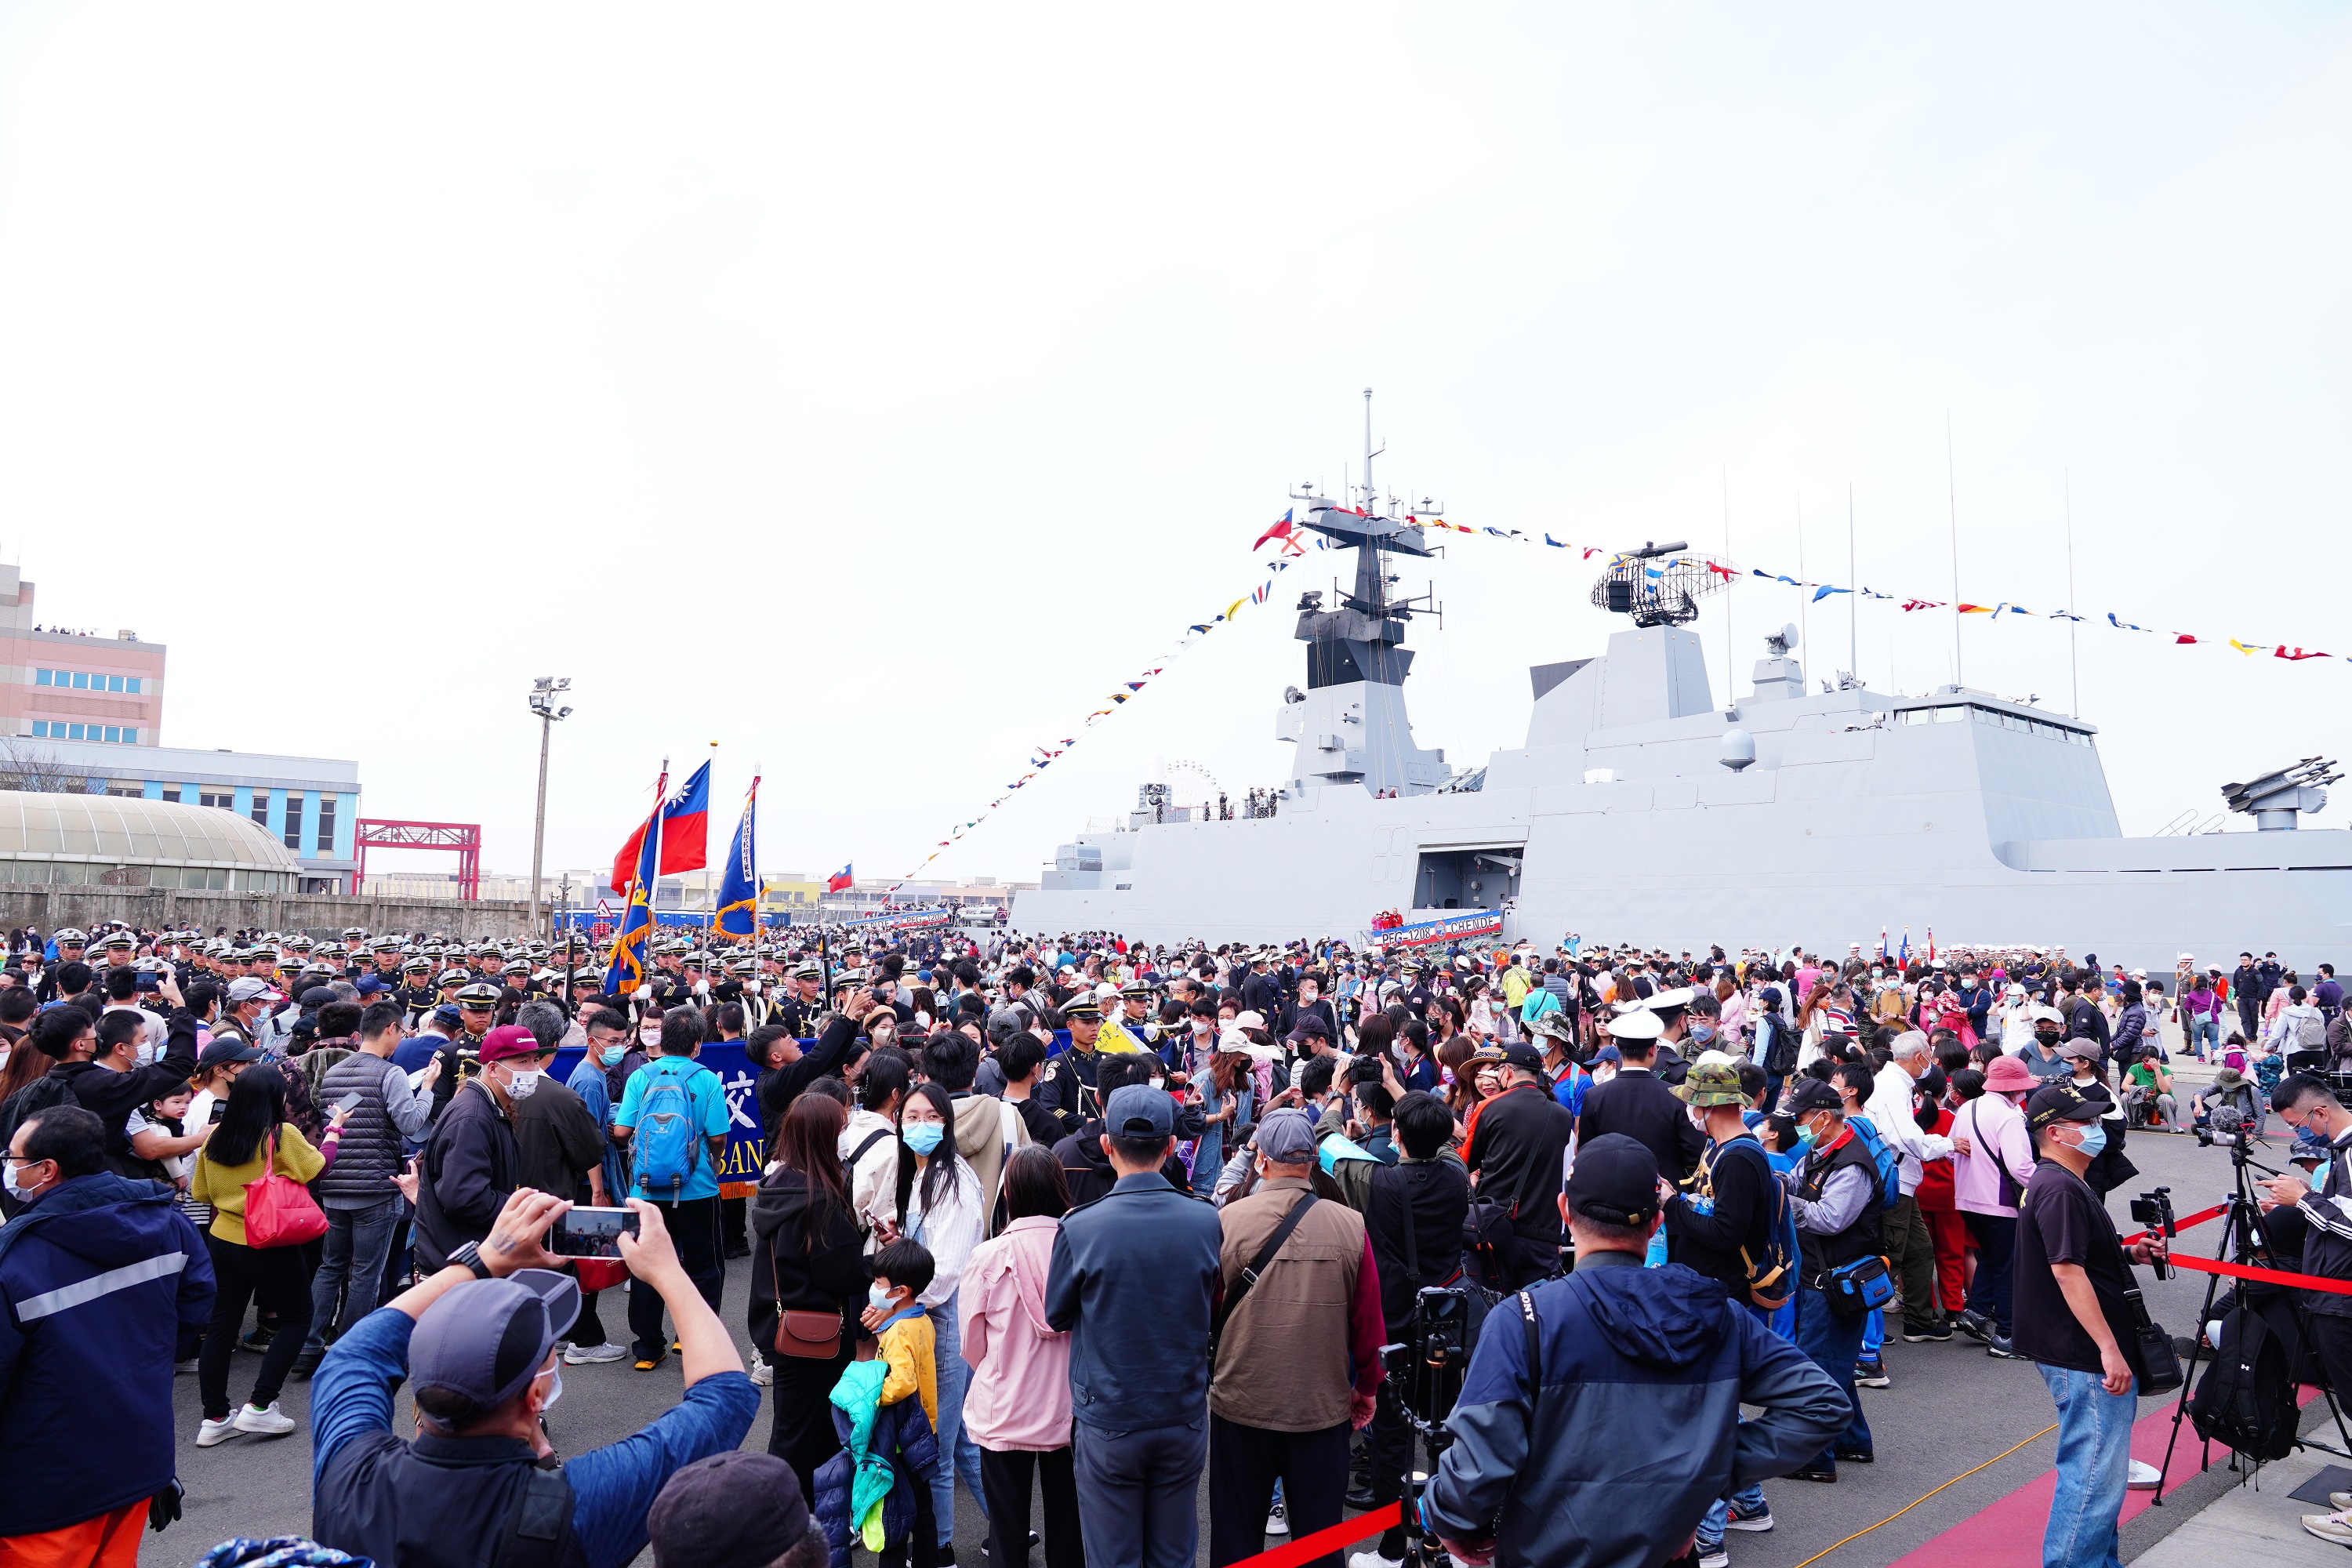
(838, 880)
(685, 833)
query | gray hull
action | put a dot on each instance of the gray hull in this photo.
(1621, 820)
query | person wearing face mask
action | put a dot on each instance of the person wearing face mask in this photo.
(2040, 1057)
(471, 1163)
(2075, 1320)
(477, 1341)
(140, 1285)
(1834, 1190)
(1992, 1161)
(674, 1117)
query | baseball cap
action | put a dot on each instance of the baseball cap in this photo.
(226, 1049)
(2079, 1051)
(737, 1509)
(1285, 1137)
(1615, 1181)
(1525, 1057)
(510, 1040)
(369, 985)
(1133, 1110)
(245, 988)
(2059, 1102)
(318, 996)
(1813, 1095)
(487, 1338)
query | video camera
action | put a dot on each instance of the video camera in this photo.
(2153, 1213)
(2228, 1125)
(1427, 1367)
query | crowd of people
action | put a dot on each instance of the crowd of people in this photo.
(1083, 1215)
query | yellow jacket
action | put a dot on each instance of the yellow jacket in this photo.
(907, 1346)
(223, 1186)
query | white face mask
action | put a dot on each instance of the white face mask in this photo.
(8, 1173)
(554, 1388)
(524, 1083)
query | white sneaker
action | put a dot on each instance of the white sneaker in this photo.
(2144, 1476)
(582, 1356)
(2335, 1527)
(1714, 1557)
(1373, 1559)
(213, 1432)
(762, 1372)
(1279, 1521)
(270, 1423)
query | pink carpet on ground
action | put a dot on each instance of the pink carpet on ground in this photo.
(2007, 1532)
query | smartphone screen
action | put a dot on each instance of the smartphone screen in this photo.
(591, 1232)
(350, 1103)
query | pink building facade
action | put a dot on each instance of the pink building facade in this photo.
(59, 685)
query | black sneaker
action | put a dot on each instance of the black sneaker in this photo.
(257, 1340)
(2000, 1349)
(1933, 1335)
(1871, 1373)
(306, 1362)
(1974, 1324)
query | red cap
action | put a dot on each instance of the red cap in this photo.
(510, 1040)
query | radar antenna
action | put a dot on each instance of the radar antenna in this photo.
(1659, 584)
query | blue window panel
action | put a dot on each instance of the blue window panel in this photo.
(80, 681)
(114, 734)
(114, 683)
(41, 678)
(131, 685)
(73, 731)
(152, 789)
(41, 726)
(130, 737)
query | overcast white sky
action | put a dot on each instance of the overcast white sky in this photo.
(870, 390)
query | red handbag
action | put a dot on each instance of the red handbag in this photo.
(279, 1210)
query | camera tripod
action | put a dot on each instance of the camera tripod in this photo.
(1428, 1375)
(2244, 1243)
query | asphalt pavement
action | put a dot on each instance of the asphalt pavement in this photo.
(1950, 1407)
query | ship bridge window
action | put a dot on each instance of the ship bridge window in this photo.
(1952, 715)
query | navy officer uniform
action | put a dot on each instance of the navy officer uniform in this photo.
(1133, 1281)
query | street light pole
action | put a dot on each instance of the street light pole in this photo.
(543, 703)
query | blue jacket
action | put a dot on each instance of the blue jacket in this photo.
(1132, 1281)
(1636, 1427)
(103, 1285)
(901, 1431)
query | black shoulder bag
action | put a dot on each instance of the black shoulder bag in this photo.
(1257, 1267)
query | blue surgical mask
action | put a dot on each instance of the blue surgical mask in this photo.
(1701, 1034)
(922, 1137)
(879, 1299)
(612, 1055)
(2095, 1138)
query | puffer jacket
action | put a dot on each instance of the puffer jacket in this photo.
(904, 1433)
(1627, 1354)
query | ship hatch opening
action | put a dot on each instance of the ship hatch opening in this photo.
(1474, 878)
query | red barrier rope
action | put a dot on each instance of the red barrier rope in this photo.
(1307, 1548)
(2268, 1276)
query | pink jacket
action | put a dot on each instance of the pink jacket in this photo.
(1020, 1392)
(1989, 1121)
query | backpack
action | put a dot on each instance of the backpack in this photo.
(44, 1093)
(1883, 1154)
(1486, 1241)
(2311, 1032)
(1779, 1052)
(667, 1142)
(2247, 1401)
(1772, 1275)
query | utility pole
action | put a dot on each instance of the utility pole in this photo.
(542, 696)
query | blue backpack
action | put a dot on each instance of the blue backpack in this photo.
(668, 1139)
(1889, 1162)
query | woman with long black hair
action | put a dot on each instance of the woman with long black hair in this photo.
(939, 1204)
(805, 1258)
(252, 1139)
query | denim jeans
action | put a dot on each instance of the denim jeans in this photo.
(958, 1454)
(349, 1268)
(2094, 1430)
(1991, 1293)
(1834, 1343)
(2204, 1033)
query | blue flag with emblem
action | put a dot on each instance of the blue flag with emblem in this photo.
(625, 970)
(738, 888)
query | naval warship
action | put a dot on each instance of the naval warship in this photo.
(1640, 809)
